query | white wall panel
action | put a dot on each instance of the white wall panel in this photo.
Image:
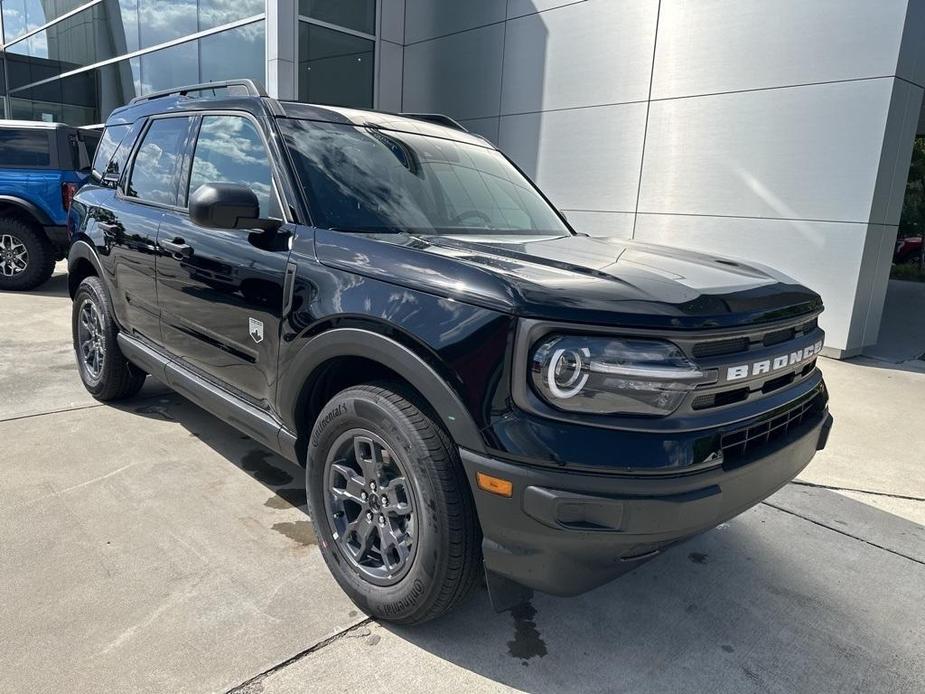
(459, 75)
(824, 256)
(390, 76)
(518, 8)
(586, 159)
(800, 153)
(709, 46)
(426, 19)
(589, 53)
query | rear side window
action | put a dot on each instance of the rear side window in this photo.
(24, 147)
(155, 171)
(111, 139)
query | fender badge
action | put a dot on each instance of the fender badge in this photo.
(255, 327)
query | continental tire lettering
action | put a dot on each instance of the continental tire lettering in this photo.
(341, 409)
(417, 589)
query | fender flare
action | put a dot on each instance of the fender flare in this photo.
(356, 342)
(81, 250)
(30, 208)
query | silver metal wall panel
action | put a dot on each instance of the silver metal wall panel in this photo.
(798, 153)
(727, 45)
(392, 20)
(519, 8)
(486, 127)
(390, 76)
(426, 19)
(584, 159)
(585, 54)
(459, 75)
(827, 257)
(615, 224)
(905, 109)
(911, 64)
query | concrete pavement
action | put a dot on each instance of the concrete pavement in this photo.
(150, 547)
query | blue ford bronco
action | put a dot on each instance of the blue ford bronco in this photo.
(41, 167)
(470, 384)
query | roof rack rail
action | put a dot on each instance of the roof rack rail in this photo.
(437, 118)
(251, 87)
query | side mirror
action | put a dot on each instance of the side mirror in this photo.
(111, 179)
(228, 206)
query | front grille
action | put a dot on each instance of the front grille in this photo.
(758, 339)
(736, 444)
(718, 348)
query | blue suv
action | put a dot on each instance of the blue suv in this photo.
(41, 167)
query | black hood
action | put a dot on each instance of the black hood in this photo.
(600, 281)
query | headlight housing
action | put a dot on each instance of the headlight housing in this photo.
(609, 375)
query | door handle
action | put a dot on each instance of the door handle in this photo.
(108, 228)
(177, 247)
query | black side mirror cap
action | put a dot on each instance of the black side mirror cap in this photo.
(228, 206)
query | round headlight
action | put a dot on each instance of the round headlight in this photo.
(566, 372)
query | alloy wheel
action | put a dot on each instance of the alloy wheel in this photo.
(14, 257)
(370, 506)
(90, 338)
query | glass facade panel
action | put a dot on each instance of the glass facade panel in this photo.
(165, 20)
(230, 150)
(359, 15)
(215, 13)
(89, 97)
(81, 99)
(20, 16)
(334, 67)
(234, 54)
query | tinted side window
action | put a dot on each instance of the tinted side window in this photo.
(24, 147)
(154, 173)
(230, 150)
(107, 147)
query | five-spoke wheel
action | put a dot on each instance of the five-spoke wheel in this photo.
(91, 346)
(14, 256)
(370, 506)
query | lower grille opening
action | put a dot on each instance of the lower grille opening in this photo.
(728, 397)
(735, 444)
(779, 382)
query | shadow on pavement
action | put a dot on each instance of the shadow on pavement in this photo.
(54, 287)
(770, 601)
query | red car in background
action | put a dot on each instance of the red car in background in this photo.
(908, 250)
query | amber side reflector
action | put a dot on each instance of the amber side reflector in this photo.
(494, 485)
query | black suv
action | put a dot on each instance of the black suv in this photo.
(388, 301)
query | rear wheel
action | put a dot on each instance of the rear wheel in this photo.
(105, 372)
(27, 258)
(391, 507)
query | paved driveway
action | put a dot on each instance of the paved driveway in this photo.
(150, 547)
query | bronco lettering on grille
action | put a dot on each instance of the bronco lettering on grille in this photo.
(735, 373)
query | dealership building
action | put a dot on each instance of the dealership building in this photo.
(779, 132)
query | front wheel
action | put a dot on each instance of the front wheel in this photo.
(105, 372)
(391, 507)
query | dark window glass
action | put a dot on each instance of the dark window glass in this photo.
(233, 54)
(24, 147)
(230, 150)
(107, 147)
(82, 145)
(359, 15)
(365, 179)
(82, 99)
(154, 173)
(20, 16)
(334, 67)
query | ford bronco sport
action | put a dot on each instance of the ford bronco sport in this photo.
(41, 167)
(470, 384)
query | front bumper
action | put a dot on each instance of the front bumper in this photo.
(567, 532)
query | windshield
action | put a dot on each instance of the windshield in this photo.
(366, 179)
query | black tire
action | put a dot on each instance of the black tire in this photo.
(111, 376)
(445, 538)
(31, 258)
